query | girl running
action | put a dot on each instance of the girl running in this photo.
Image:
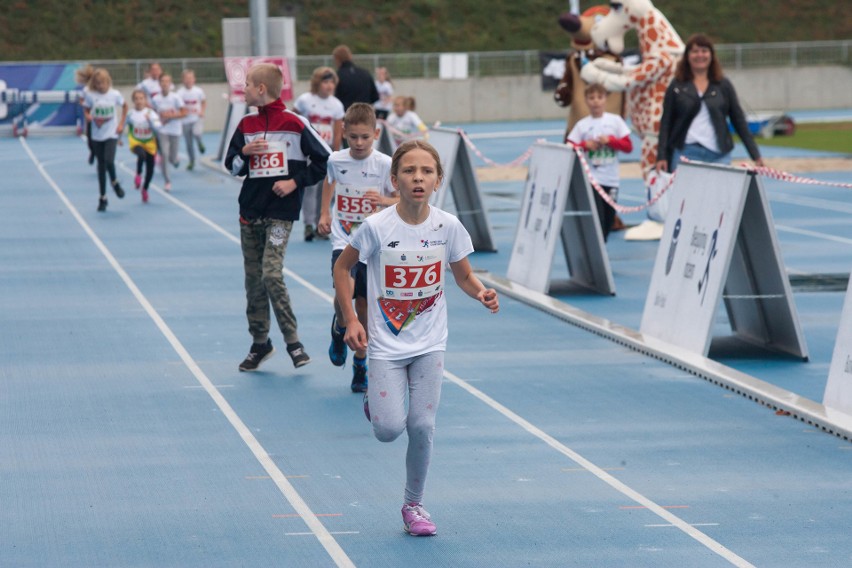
(100, 106)
(406, 249)
(143, 123)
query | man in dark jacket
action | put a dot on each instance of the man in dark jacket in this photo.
(355, 85)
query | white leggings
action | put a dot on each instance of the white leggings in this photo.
(420, 377)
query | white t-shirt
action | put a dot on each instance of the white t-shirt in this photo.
(701, 130)
(354, 177)
(604, 160)
(105, 109)
(385, 102)
(151, 87)
(407, 271)
(409, 125)
(321, 113)
(192, 99)
(169, 102)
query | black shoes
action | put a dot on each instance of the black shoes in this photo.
(298, 355)
(258, 353)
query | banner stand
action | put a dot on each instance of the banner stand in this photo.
(558, 204)
(460, 180)
(708, 254)
(384, 143)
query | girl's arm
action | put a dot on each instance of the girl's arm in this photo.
(620, 144)
(467, 281)
(121, 122)
(356, 335)
(336, 134)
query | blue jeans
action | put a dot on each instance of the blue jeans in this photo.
(698, 153)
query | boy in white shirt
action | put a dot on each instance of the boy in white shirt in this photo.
(195, 101)
(358, 180)
(602, 134)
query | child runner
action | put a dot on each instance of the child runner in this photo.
(406, 249)
(404, 122)
(602, 134)
(171, 109)
(325, 113)
(358, 184)
(142, 124)
(384, 86)
(83, 77)
(195, 101)
(100, 107)
(280, 154)
(151, 83)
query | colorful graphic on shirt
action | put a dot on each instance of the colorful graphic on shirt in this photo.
(399, 314)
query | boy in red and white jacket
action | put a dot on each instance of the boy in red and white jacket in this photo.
(280, 154)
(602, 135)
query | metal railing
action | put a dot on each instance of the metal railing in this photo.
(493, 63)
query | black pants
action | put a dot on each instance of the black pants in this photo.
(606, 213)
(143, 157)
(105, 155)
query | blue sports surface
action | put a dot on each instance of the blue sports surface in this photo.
(129, 438)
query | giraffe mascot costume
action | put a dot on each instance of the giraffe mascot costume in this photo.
(645, 84)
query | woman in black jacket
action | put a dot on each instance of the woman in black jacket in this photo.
(697, 103)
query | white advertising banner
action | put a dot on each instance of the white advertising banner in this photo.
(707, 253)
(694, 254)
(838, 390)
(540, 221)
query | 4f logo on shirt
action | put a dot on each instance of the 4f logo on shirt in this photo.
(393, 244)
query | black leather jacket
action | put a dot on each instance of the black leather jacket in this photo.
(680, 107)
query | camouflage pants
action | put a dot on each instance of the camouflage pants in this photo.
(264, 243)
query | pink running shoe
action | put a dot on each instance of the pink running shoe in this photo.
(416, 520)
(168, 186)
(137, 181)
(144, 195)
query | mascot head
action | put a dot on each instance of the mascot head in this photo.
(580, 27)
(608, 32)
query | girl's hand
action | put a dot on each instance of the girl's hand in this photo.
(356, 336)
(488, 298)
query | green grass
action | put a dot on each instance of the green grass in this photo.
(33, 30)
(829, 137)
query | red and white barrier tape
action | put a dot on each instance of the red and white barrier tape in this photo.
(785, 176)
(514, 163)
(399, 135)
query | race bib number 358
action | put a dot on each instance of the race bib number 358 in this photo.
(412, 275)
(351, 204)
(272, 163)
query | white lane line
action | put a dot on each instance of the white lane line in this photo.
(317, 529)
(692, 525)
(699, 536)
(549, 440)
(814, 234)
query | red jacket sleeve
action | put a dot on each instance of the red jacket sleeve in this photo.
(620, 144)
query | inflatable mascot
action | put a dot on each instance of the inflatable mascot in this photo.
(569, 92)
(645, 84)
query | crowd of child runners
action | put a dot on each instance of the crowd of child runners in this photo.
(159, 117)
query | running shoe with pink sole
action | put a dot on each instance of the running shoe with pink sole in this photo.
(416, 520)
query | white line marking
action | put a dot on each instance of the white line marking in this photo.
(309, 534)
(601, 474)
(540, 434)
(323, 536)
(692, 525)
(815, 234)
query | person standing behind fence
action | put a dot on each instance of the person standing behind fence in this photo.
(355, 85)
(143, 124)
(697, 104)
(279, 154)
(384, 86)
(325, 113)
(195, 102)
(101, 105)
(602, 135)
(171, 109)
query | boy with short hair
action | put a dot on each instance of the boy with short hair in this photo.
(279, 154)
(602, 134)
(359, 181)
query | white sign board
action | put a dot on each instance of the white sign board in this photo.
(460, 180)
(707, 253)
(558, 205)
(838, 390)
